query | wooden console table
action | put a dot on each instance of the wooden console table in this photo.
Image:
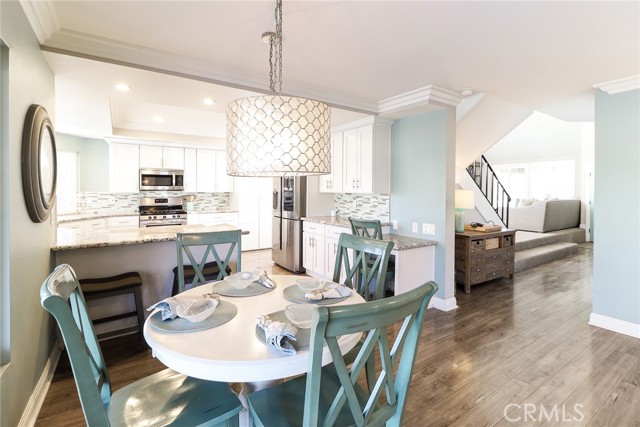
(484, 256)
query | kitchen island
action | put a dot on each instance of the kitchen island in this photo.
(414, 257)
(150, 251)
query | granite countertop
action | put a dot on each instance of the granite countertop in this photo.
(400, 243)
(94, 215)
(338, 221)
(106, 214)
(68, 239)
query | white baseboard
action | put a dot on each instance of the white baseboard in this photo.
(443, 304)
(615, 325)
(31, 411)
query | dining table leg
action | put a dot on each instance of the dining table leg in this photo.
(242, 390)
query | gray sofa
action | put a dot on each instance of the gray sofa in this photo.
(546, 215)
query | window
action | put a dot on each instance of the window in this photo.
(540, 180)
(67, 182)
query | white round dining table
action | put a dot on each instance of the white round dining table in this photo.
(232, 351)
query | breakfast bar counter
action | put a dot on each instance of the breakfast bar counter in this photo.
(150, 251)
(68, 239)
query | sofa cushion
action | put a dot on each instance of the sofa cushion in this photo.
(546, 215)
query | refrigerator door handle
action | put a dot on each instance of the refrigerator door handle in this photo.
(275, 199)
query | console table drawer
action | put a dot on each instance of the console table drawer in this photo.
(480, 256)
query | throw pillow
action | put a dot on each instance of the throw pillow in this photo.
(526, 202)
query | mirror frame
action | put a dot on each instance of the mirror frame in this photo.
(39, 204)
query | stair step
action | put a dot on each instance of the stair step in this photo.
(528, 240)
(542, 254)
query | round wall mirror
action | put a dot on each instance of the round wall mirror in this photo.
(38, 163)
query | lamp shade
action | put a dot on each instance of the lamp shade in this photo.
(465, 199)
(278, 136)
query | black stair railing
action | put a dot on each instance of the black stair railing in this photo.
(487, 181)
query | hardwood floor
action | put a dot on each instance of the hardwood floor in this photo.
(513, 354)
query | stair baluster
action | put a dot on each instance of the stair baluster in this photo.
(487, 181)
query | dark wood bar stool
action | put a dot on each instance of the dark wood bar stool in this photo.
(122, 284)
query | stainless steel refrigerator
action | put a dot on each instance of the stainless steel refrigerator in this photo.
(289, 205)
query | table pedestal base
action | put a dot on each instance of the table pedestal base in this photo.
(242, 390)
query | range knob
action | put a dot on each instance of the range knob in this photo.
(164, 216)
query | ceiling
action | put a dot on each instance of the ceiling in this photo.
(355, 55)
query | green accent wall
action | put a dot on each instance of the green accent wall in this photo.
(27, 332)
(616, 257)
(423, 184)
(93, 161)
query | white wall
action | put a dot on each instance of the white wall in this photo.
(542, 138)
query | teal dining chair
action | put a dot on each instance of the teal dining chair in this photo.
(332, 395)
(363, 262)
(164, 398)
(199, 272)
(372, 228)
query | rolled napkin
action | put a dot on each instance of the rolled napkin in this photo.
(169, 306)
(265, 280)
(329, 290)
(278, 334)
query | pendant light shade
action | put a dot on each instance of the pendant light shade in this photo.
(275, 135)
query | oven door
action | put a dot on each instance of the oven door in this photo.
(160, 223)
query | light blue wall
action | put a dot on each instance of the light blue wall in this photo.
(422, 184)
(616, 263)
(25, 245)
(93, 161)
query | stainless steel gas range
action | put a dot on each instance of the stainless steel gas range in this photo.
(161, 211)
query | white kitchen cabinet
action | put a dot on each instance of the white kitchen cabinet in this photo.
(223, 182)
(124, 168)
(211, 172)
(123, 221)
(157, 157)
(190, 168)
(218, 218)
(206, 171)
(366, 158)
(173, 157)
(332, 183)
(331, 239)
(96, 224)
(313, 251)
(254, 201)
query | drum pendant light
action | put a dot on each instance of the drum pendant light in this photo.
(277, 135)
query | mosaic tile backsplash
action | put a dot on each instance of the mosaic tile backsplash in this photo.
(90, 201)
(367, 206)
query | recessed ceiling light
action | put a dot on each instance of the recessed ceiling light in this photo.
(123, 87)
(158, 119)
(208, 101)
(466, 92)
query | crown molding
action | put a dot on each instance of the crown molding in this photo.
(41, 17)
(428, 95)
(363, 122)
(620, 85)
(84, 45)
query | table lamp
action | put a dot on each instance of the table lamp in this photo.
(464, 200)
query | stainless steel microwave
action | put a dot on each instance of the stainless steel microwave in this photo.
(161, 179)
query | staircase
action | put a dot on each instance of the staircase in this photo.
(533, 249)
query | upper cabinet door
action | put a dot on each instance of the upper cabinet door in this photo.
(190, 168)
(332, 183)
(124, 168)
(173, 157)
(206, 171)
(364, 180)
(224, 182)
(150, 157)
(157, 157)
(351, 161)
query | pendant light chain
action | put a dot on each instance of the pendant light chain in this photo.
(275, 53)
